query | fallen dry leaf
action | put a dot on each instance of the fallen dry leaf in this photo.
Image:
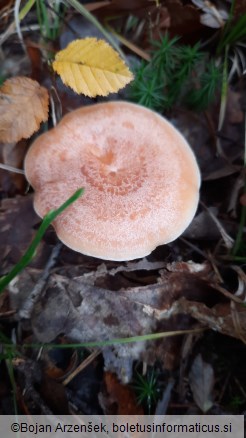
(184, 19)
(201, 379)
(92, 67)
(13, 154)
(88, 313)
(23, 106)
(53, 394)
(212, 17)
(17, 228)
(120, 399)
(219, 318)
(240, 8)
(84, 312)
(126, 7)
(97, 5)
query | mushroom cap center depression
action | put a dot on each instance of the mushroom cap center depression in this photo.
(109, 173)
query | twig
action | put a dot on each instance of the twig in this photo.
(26, 310)
(240, 387)
(82, 366)
(237, 323)
(228, 241)
(17, 24)
(129, 45)
(56, 111)
(226, 293)
(194, 247)
(214, 266)
(11, 169)
(11, 28)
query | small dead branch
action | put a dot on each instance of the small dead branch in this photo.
(11, 169)
(228, 241)
(81, 367)
(26, 310)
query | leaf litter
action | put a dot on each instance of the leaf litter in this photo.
(85, 312)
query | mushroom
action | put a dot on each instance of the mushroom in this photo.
(140, 176)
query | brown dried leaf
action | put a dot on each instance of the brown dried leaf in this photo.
(97, 5)
(201, 379)
(17, 223)
(240, 8)
(203, 269)
(121, 397)
(12, 154)
(219, 318)
(35, 56)
(128, 6)
(54, 395)
(23, 106)
(184, 18)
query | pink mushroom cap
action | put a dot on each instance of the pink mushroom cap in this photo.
(140, 176)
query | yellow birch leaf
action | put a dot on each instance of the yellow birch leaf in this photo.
(23, 106)
(91, 67)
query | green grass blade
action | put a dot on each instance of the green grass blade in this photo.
(129, 340)
(232, 33)
(27, 257)
(44, 24)
(83, 11)
(10, 369)
(24, 11)
(237, 32)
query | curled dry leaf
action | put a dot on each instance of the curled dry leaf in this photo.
(85, 311)
(213, 17)
(201, 379)
(91, 67)
(15, 233)
(23, 106)
(119, 399)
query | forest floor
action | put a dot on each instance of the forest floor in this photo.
(67, 320)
